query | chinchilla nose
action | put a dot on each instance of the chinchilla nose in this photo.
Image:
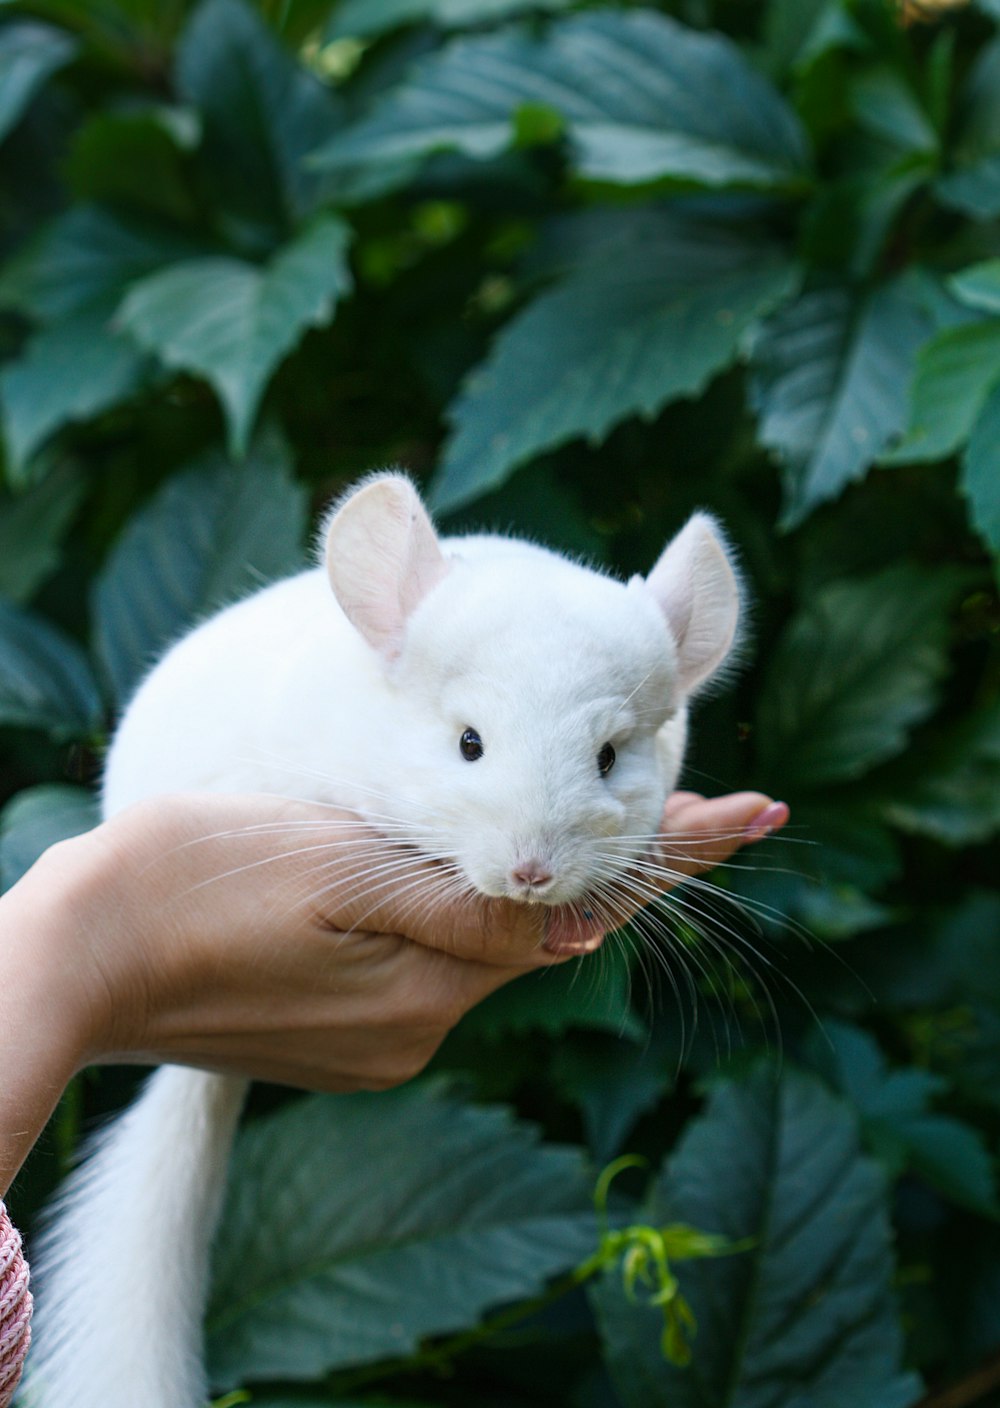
(530, 872)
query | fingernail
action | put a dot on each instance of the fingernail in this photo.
(775, 814)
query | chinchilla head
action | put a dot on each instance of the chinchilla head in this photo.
(541, 705)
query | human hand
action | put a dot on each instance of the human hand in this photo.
(248, 935)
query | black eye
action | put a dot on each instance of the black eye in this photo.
(605, 760)
(471, 745)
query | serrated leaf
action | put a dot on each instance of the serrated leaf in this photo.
(643, 99)
(32, 525)
(45, 680)
(70, 371)
(36, 819)
(804, 1317)
(955, 373)
(83, 258)
(829, 385)
(852, 674)
(262, 113)
(30, 52)
(954, 797)
(320, 1265)
(233, 322)
(211, 534)
(980, 476)
(900, 1123)
(618, 337)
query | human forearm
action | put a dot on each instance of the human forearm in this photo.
(42, 1029)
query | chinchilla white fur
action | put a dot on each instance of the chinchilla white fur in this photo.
(352, 683)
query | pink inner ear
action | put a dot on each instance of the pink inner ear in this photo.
(383, 558)
(425, 565)
(695, 587)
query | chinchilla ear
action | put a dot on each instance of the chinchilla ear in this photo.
(382, 557)
(696, 588)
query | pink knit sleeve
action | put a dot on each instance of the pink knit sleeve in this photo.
(15, 1309)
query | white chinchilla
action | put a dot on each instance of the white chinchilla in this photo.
(494, 703)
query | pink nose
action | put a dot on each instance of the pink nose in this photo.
(531, 872)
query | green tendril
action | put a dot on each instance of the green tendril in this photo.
(645, 1254)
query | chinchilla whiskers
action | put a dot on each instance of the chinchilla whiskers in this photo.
(697, 966)
(284, 854)
(720, 898)
(629, 933)
(717, 941)
(296, 769)
(385, 863)
(679, 840)
(419, 883)
(348, 887)
(652, 863)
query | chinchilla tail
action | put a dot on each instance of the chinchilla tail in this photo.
(122, 1268)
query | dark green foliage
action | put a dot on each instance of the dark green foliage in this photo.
(803, 1315)
(582, 268)
(471, 1212)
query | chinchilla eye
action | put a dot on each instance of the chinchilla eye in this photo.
(470, 745)
(605, 760)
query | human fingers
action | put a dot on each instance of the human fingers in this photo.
(698, 833)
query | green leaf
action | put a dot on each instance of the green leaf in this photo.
(803, 1318)
(852, 674)
(262, 113)
(643, 99)
(980, 478)
(135, 160)
(83, 258)
(210, 535)
(36, 819)
(956, 372)
(900, 1124)
(366, 19)
(954, 797)
(70, 371)
(622, 335)
(973, 185)
(30, 53)
(587, 992)
(788, 28)
(319, 1264)
(233, 322)
(885, 104)
(829, 385)
(613, 1082)
(32, 525)
(979, 285)
(45, 681)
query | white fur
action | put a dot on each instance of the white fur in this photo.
(292, 694)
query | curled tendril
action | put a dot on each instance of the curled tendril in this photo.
(645, 1254)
